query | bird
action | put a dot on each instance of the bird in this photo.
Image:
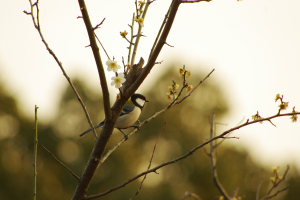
(129, 115)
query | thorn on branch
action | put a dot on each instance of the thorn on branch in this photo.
(98, 25)
(87, 46)
(271, 122)
(159, 62)
(79, 17)
(35, 3)
(27, 13)
(168, 44)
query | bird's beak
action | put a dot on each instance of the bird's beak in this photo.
(147, 100)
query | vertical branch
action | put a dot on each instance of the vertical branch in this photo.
(130, 44)
(213, 160)
(35, 153)
(138, 36)
(36, 23)
(159, 32)
(162, 40)
(97, 57)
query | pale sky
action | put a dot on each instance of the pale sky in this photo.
(254, 45)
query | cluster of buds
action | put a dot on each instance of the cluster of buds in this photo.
(283, 105)
(138, 19)
(119, 79)
(294, 117)
(184, 74)
(171, 95)
(275, 179)
(256, 117)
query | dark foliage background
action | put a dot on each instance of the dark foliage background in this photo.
(187, 126)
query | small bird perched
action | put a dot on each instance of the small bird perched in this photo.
(129, 115)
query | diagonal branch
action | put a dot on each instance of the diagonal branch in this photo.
(150, 161)
(156, 168)
(36, 23)
(268, 195)
(188, 154)
(61, 163)
(212, 156)
(175, 102)
(151, 62)
(95, 49)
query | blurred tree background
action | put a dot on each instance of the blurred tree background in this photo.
(187, 126)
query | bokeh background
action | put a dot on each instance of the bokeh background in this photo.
(254, 47)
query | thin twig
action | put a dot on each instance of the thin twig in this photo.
(184, 156)
(257, 191)
(35, 151)
(168, 44)
(97, 57)
(61, 163)
(149, 162)
(151, 118)
(36, 24)
(277, 192)
(268, 196)
(213, 161)
(155, 168)
(97, 26)
(188, 194)
(102, 46)
(159, 32)
(130, 44)
(137, 40)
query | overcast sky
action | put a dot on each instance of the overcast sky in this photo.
(254, 45)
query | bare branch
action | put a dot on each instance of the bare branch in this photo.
(61, 163)
(168, 44)
(181, 157)
(155, 168)
(98, 25)
(102, 46)
(36, 24)
(151, 62)
(277, 192)
(213, 161)
(275, 184)
(35, 151)
(95, 49)
(175, 102)
(139, 33)
(188, 194)
(150, 161)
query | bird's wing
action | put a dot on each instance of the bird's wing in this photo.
(127, 109)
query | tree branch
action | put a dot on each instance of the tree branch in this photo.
(175, 102)
(150, 161)
(95, 49)
(151, 62)
(213, 161)
(186, 155)
(36, 23)
(69, 170)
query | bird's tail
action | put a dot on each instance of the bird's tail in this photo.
(98, 126)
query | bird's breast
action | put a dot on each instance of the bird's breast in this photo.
(129, 119)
